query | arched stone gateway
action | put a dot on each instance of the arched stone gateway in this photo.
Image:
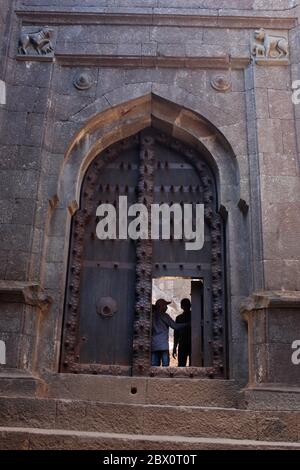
(148, 168)
(196, 143)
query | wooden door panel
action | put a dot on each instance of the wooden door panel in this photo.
(148, 168)
(107, 340)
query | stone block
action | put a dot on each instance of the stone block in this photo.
(26, 98)
(279, 164)
(29, 413)
(34, 131)
(280, 104)
(269, 135)
(23, 211)
(63, 83)
(11, 317)
(102, 34)
(114, 418)
(282, 274)
(31, 74)
(195, 49)
(14, 441)
(226, 37)
(175, 35)
(277, 427)
(171, 50)
(17, 184)
(282, 245)
(199, 422)
(15, 237)
(280, 189)
(66, 106)
(149, 49)
(57, 225)
(273, 318)
(52, 163)
(64, 132)
(3, 262)
(261, 103)
(14, 128)
(272, 398)
(131, 49)
(158, 75)
(289, 137)
(281, 369)
(53, 275)
(193, 81)
(6, 209)
(16, 267)
(56, 247)
(275, 78)
(277, 217)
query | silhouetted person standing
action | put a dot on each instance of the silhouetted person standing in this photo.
(183, 338)
(161, 322)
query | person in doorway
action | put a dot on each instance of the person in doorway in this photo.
(182, 338)
(161, 322)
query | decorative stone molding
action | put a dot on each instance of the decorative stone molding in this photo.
(270, 299)
(268, 48)
(220, 83)
(83, 81)
(156, 17)
(24, 292)
(273, 319)
(95, 60)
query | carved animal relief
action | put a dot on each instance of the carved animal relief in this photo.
(36, 43)
(267, 46)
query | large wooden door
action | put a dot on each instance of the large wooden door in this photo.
(107, 325)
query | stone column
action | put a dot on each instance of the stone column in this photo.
(273, 319)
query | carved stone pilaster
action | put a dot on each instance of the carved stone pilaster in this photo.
(273, 319)
(142, 322)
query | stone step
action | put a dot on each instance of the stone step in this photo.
(49, 439)
(148, 390)
(226, 423)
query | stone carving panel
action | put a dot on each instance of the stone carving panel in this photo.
(36, 43)
(269, 47)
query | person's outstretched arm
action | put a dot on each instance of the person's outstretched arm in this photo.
(172, 324)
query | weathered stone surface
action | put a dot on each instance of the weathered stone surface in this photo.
(250, 140)
(144, 390)
(23, 292)
(272, 324)
(27, 412)
(13, 439)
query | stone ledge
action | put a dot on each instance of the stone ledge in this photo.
(272, 397)
(24, 292)
(271, 299)
(85, 60)
(276, 62)
(155, 17)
